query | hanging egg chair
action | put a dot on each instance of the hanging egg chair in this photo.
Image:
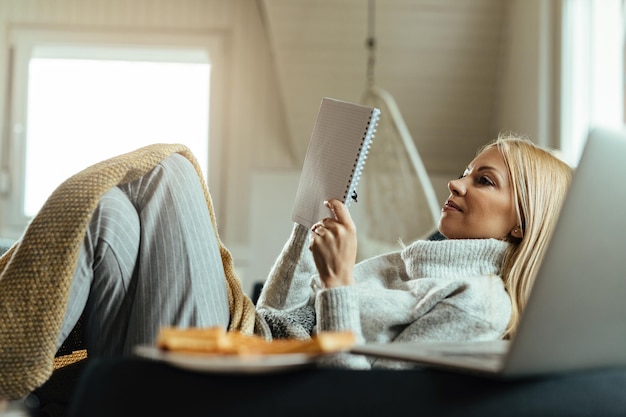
(397, 199)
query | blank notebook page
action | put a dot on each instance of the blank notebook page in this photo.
(335, 156)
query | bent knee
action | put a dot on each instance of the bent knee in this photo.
(115, 218)
(180, 166)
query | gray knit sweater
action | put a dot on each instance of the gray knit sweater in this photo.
(430, 291)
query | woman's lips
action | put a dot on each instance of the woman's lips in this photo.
(451, 205)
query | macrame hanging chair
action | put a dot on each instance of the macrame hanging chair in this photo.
(397, 201)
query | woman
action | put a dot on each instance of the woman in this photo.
(150, 258)
(144, 253)
(471, 286)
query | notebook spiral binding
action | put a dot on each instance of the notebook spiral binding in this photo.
(351, 195)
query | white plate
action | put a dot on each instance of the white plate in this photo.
(227, 363)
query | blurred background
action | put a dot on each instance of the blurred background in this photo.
(240, 82)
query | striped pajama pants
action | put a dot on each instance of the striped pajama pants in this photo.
(149, 258)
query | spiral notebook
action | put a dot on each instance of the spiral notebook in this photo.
(335, 157)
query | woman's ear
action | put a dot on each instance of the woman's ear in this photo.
(517, 232)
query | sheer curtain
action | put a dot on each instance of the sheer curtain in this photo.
(592, 70)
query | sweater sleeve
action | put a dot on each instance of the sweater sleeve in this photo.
(294, 306)
(337, 309)
(460, 325)
(286, 301)
(444, 316)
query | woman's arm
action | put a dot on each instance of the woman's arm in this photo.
(331, 251)
(288, 283)
(293, 303)
(286, 301)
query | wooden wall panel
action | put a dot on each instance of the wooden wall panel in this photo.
(439, 59)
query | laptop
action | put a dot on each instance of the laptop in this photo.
(575, 318)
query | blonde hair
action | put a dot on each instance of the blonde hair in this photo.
(540, 182)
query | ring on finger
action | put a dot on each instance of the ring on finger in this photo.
(316, 228)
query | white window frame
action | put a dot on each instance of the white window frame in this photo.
(25, 41)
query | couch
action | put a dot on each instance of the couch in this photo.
(124, 387)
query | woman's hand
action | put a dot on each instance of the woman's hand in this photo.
(333, 244)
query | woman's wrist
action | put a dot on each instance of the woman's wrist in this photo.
(338, 280)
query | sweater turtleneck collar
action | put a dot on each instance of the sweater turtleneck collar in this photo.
(454, 258)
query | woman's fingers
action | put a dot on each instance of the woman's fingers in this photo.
(333, 245)
(318, 228)
(342, 215)
(341, 223)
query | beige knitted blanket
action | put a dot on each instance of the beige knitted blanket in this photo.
(35, 274)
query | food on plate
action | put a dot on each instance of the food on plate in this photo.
(216, 340)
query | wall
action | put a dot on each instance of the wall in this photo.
(439, 59)
(496, 72)
(252, 126)
(529, 82)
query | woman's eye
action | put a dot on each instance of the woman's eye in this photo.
(485, 180)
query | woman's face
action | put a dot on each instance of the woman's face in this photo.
(481, 201)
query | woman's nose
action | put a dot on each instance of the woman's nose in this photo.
(457, 186)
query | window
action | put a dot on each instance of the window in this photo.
(593, 71)
(77, 101)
